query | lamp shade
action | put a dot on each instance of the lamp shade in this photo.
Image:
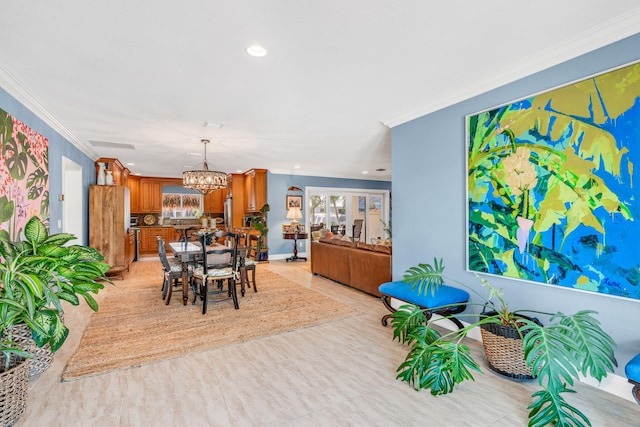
(294, 214)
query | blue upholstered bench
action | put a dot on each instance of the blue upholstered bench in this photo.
(632, 369)
(445, 295)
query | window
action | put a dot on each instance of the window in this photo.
(181, 205)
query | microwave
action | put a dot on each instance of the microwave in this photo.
(133, 222)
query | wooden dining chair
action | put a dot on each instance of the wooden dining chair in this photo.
(245, 263)
(209, 280)
(172, 272)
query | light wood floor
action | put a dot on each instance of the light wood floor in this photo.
(340, 373)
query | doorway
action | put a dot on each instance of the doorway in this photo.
(72, 221)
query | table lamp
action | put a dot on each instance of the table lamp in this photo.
(294, 214)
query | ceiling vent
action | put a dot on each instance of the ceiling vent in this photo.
(104, 144)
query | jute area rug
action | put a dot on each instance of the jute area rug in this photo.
(133, 326)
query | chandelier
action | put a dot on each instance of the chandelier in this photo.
(204, 181)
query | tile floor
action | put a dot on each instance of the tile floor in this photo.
(340, 373)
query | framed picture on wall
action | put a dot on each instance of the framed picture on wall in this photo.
(294, 202)
(550, 191)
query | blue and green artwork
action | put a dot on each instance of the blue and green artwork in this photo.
(551, 186)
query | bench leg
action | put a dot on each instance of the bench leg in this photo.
(386, 301)
(636, 390)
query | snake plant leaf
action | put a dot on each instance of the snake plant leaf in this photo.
(550, 409)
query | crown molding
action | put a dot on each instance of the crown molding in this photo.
(595, 37)
(18, 91)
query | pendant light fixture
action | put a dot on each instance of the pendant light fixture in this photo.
(204, 181)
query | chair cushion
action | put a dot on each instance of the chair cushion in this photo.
(214, 272)
(248, 262)
(176, 268)
(443, 296)
(632, 369)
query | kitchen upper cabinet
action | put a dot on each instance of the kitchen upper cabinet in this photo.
(134, 193)
(255, 189)
(150, 195)
(214, 201)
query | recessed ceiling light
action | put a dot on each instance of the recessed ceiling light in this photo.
(365, 172)
(257, 51)
(239, 171)
(296, 167)
(211, 125)
(131, 164)
(194, 154)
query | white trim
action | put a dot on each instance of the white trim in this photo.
(591, 39)
(14, 88)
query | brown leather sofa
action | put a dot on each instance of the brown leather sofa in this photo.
(359, 265)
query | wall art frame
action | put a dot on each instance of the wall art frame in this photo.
(550, 186)
(294, 202)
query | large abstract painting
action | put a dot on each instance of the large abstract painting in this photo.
(551, 186)
(24, 176)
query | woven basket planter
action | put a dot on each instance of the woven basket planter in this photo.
(504, 351)
(14, 386)
(41, 357)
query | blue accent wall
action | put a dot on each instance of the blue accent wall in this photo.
(277, 185)
(58, 147)
(429, 198)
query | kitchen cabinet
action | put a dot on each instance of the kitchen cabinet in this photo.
(150, 195)
(108, 224)
(255, 189)
(130, 254)
(119, 172)
(149, 239)
(214, 201)
(134, 193)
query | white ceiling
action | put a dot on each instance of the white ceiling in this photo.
(338, 75)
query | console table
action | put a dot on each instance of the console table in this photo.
(295, 237)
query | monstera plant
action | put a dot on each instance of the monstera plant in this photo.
(569, 345)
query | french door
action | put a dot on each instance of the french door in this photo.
(342, 210)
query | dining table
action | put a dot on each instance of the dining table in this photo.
(185, 251)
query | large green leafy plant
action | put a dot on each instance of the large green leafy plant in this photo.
(557, 353)
(36, 275)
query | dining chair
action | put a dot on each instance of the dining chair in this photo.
(210, 279)
(247, 265)
(357, 229)
(172, 271)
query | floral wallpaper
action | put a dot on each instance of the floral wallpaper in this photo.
(24, 176)
(551, 186)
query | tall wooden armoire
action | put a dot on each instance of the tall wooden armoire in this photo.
(108, 223)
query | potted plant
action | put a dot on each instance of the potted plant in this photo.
(556, 353)
(36, 275)
(259, 223)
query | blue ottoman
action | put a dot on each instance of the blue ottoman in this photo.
(632, 370)
(456, 300)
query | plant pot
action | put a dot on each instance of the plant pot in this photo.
(262, 255)
(41, 357)
(504, 351)
(14, 387)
